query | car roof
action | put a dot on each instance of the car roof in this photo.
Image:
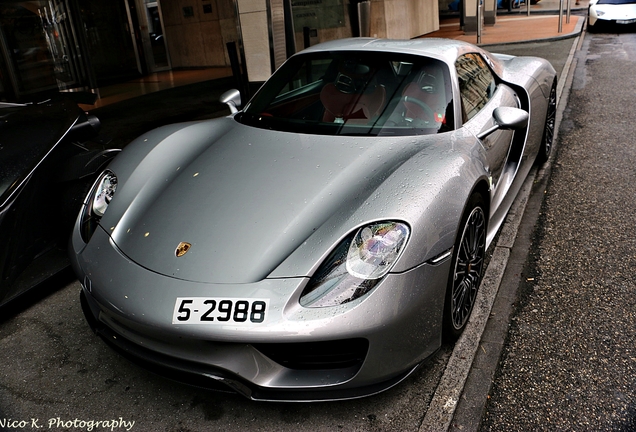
(443, 49)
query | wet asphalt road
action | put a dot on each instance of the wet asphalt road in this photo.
(52, 367)
(569, 363)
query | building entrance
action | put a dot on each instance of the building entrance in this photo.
(152, 35)
(69, 45)
(39, 48)
(111, 40)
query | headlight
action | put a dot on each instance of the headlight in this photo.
(96, 203)
(357, 265)
(599, 13)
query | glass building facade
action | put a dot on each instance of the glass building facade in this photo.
(69, 45)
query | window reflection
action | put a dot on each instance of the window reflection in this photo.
(155, 33)
(29, 38)
(476, 84)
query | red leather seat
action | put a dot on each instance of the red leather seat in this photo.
(355, 107)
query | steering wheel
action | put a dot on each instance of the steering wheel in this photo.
(427, 109)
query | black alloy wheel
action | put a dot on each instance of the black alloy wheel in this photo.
(466, 269)
(550, 123)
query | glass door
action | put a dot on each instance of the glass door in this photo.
(111, 40)
(62, 44)
(152, 35)
(39, 47)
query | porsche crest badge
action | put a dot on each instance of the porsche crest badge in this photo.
(182, 249)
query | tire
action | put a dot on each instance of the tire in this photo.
(547, 141)
(466, 269)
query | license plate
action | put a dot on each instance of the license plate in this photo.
(629, 21)
(214, 310)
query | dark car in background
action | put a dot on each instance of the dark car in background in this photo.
(47, 163)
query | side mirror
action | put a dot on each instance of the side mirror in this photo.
(86, 127)
(232, 98)
(507, 118)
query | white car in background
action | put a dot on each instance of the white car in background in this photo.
(601, 12)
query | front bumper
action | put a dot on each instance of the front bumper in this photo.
(386, 335)
(217, 379)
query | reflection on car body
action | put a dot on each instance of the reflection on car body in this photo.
(319, 243)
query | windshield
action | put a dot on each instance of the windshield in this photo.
(616, 2)
(355, 93)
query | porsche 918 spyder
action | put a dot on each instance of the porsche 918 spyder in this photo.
(321, 242)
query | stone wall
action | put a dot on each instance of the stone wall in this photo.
(196, 31)
(403, 19)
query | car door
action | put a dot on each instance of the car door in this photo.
(480, 95)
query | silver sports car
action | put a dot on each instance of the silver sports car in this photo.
(321, 242)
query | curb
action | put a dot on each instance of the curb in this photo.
(451, 386)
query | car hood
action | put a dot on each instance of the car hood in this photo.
(244, 198)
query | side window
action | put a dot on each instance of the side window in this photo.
(476, 84)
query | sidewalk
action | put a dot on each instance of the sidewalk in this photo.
(511, 29)
(518, 26)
